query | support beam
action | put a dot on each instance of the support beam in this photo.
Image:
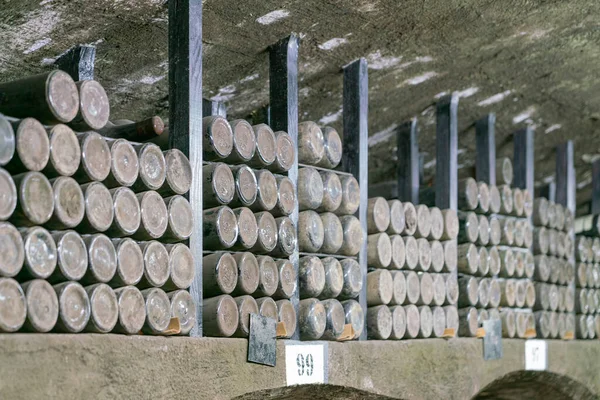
(565, 175)
(523, 159)
(355, 152)
(446, 176)
(595, 207)
(210, 108)
(185, 116)
(283, 93)
(485, 162)
(78, 62)
(409, 160)
(548, 191)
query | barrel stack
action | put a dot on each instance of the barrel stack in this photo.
(248, 234)
(93, 216)
(555, 272)
(329, 238)
(495, 264)
(587, 277)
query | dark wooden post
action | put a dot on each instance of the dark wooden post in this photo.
(446, 179)
(355, 153)
(283, 93)
(595, 207)
(523, 159)
(185, 116)
(78, 62)
(485, 163)
(409, 161)
(565, 173)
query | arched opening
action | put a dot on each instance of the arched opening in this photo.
(314, 392)
(532, 385)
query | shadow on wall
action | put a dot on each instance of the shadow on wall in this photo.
(531, 385)
(314, 392)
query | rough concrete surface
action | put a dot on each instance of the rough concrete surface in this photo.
(530, 61)
(120, 367)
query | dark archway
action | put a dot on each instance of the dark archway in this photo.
(532, 385)
(313, 392)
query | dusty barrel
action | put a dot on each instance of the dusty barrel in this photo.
(42, 306)
(180, 222)
(519, 263)
(509, 323)
(450, 225)
(247, 229)
(287, 280)
(398, 322)
(507, 292)
(220, 316)
(156, 264)
(154, 216)
(286, 196)
(426, 319)
(73, 306)
(335, 319)
(424, 254)
(353, 235)
(35, 199)
(7, 141)
(287, 315)
(467, 322)
(220, 228)
(248, 275)
(439, 290)
(350, 195)
(104, 308)
(468, 259)
(353, 279)
(285, 154)
(286, 237)
(246, 186)
(452, 289)
(413, 287)
(334, 278)
(469, 227)
(423, 221)
(495, 199)
(411, 252)
(483, 205)
(413, 321)
(71, 257)
(267, 233)
(158, 311)
(218, 185)
(378, 215)
(127, 213)
(333, 234)
(311, 275)
(540, 211)
(312, 319)
(494, 263)
(244, 142)
(99, 208)
(145, 130)
(452, 318)
(311, 143)
(266, 146)
(437, 256)
(483, 293)
(267, 307)
(507, 262)
(450, 255)
(553, 241)
(52, 97)
(506, 195)
(379, 250)
(507, 231)
(68, 203)
(426, 289)
(438, 322)
(542, 323)
(468, 194)
(40, 255)
(399, 252)
(124, 164)
(379, 322)
(397, 218)
(354, 316)
(504, 171)
(518, 202)
(520, 293)
(437, 223)
(178, 178)
(95, 158)
(310, 189)
(332, 146)
(266, 194)
(130, 263)
(483, 237)
(132, 310)
(153, 168)
(495, 232)
(65, 151)
(468, 291)
(380, 287)
(8, 201)
(268, 276)
(410, 219)
(102, 259)
(94, 108)
(12, 250)
(217, 138)
(220, 274)
(529, 264)
(398, 288)
(183, 308)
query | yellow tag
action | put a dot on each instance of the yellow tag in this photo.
(480, 333)
(530, 333)
(569, 335)
(281, 332)
(449, 333)
(174, 327)
(347, 333)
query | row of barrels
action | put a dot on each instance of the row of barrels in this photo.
(588, 326)
(554, 298)
(552, 215)
(411, 321)
(503, 261)
(588, 275)
(494, 230)
(495, 292)
(587, 249)
(552, 242)
(588, 301)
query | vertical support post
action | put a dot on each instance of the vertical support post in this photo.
(565, 172)
(78, 62)
(523, 159)
(409, 160)
(446, 180)
(210, 108)
(485, 162)
(355, 152)
(185, 117)
(549, 191)
(595, 207)
(283, 93)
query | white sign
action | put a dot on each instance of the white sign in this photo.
(536, 355)
(304, 364)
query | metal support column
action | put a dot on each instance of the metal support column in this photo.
(595, 207)
(485, 162)
(446, 172)
(523, 159)
(408, 166)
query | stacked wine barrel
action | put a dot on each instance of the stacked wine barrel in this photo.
(587, 277)
(411, 285)
(329, 237)
(555, 272)
(495, 264)
(248, 234)
(93, 222)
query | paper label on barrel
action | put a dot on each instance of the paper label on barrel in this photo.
(570, 335)
(536, 355)
(305, 364)
(449, 333)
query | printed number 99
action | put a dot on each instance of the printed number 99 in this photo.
(305, 364)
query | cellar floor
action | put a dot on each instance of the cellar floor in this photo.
(83, 366)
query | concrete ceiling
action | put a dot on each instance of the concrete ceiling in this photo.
(529, 61)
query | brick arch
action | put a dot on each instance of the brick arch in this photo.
(532, 385)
